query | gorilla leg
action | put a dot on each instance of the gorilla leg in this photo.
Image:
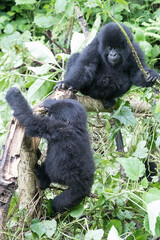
(43, 179)
(69, 198)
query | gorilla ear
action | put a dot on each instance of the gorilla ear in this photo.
(47, 104)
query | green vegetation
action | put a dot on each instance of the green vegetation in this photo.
(33, 58)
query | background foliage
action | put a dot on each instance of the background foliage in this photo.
(36, 39)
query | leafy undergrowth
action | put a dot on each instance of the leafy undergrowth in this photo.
(122, 206)
(125, 200)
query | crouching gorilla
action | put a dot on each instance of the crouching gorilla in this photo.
(106, 68)
(69, 158)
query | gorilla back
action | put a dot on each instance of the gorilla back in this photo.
(106, 68)
(69, 158)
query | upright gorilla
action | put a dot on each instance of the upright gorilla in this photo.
(106, 68)
(69, 158)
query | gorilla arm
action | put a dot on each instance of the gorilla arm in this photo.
(137, 75)
(81, 68)
(36, 126)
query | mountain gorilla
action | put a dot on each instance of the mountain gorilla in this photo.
(106, 68)
(69, 158)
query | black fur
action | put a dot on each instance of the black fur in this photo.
(106, 68)
(69, 158)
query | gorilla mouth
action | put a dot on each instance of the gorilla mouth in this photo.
(113, 61)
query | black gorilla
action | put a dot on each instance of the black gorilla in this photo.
(106, 68)
(69, 158)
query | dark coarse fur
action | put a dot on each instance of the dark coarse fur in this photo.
(69, 158)
(106, 68)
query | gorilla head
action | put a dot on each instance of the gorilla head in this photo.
(113, 46)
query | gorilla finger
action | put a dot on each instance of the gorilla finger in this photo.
(148, 78)
(58, 86)
(70, 88)
(154, 79)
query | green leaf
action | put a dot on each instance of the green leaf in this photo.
(113, 234)
(158, 142)
(9, 28)
(153, 210)
(144, 182)
(152, 195)
(156, 1)
(3, 19)
(125, 116)
(40, 52)
(139, 35)
(157, 229)
(157, 109)
(44, 69)
(60, 6)
(43, 21)
(146, 47)
(77, 211)
(10, 40)
(38, 228)
(123, 4)
(133, 167)
(50, 227)
(39, 89)
(94, 234)
(116, 223)
(141, 151)
(69, 9)
(155, 51)
(77, 42)
(146, 224)
(47, 227)
(25, 1)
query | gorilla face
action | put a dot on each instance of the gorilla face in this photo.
(113, 56)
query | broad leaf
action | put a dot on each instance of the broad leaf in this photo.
(113, 234)
(139, 35)
(38, 228)
(133, 167)
(50, 227)
(25, 1)
(39, 89)
(94, 234)
(47, 227)
(158, 142)
(125, 116)
(60, 5)
(116, 223)
(144, 182)
(77, 211)
(40, 52)
(146, 47)
(41, 70)
(77, 42)
(157, 109)
(153, 210)
(141, 151)
(152, 195)
(43, 21)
